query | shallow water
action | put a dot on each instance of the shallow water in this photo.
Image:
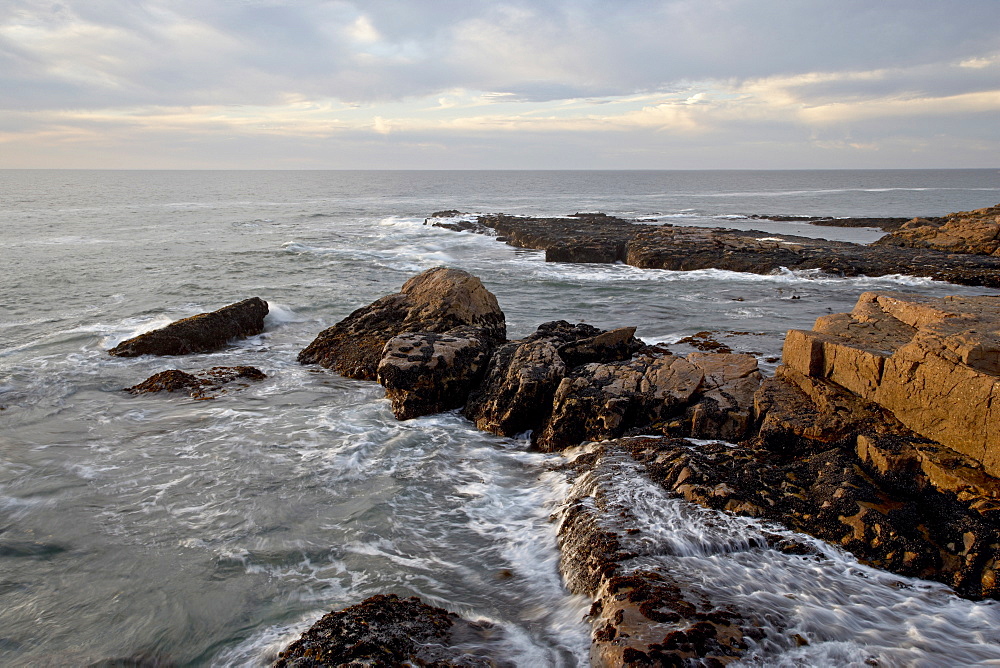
(212, 532)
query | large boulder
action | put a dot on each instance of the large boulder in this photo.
(933, 363)
(976, 232)
(200, 333)
(386, 630)
(435, 301)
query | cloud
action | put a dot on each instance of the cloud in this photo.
(431, 74)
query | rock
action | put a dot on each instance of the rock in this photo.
(516, 395)
(921, 533)
(649, 607)
(435, 301)
(200, 333)
(386, 631)
(976, 232)
(426, 372)
(202, 385)
(933, 363)
(601, 238)
(599, 401)
(724, 408)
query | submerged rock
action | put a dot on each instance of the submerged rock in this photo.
(435, 301)
(385, 631)
(201, 385)
(200, 333)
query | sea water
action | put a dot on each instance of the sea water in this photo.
(162, 529)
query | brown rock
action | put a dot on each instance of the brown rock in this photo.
(426, 372)
(724, 408)
(599, 401)
(933, 363)
(199, 333)
(436, 301)
(976, 232)
(202, 385)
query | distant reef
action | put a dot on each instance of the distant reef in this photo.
(961, 248)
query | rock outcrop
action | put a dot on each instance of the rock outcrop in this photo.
(428, 345)
(976, 232)
(386, 630)
(933, 363)
(200, 333)
(200, 385)
(602, 238)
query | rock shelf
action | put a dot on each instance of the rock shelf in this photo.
(605, 239)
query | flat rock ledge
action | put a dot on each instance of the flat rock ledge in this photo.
(200, 333)
(386, 631)
(606, 239)
(199, 385)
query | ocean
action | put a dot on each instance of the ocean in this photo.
(161, 530)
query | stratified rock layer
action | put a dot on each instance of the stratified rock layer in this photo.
(386, 631)
(435, 301)
(934, 363)
(200, 333)
(976, 232)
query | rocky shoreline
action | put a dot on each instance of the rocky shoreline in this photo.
(878, 434)
(596, 237)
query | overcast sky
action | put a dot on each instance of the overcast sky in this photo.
(550, 84)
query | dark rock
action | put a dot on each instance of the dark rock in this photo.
(436, 301)
(599, 401)
(386, 631)
(601, 238)
(887, 224)
(516, 395)
(199, 333)
(828, 495)
(426, 372)
(202, 385)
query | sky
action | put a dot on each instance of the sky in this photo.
(525, 84)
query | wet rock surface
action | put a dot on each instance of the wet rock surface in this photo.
(200, 333)
(603, 238)
(386, 631)
(435, 301)
(199, 385)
